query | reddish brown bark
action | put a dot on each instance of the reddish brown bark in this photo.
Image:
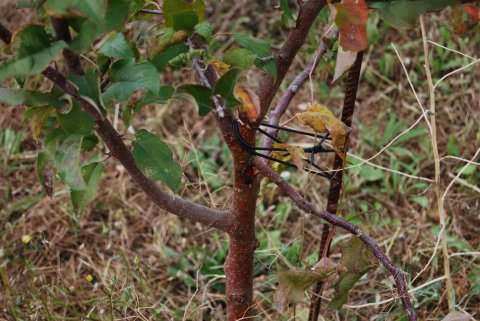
(335, 189)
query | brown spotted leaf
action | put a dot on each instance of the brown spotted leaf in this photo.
(322, 120)
(351, 19)
(250, 108)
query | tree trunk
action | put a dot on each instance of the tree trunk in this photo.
(239, 264)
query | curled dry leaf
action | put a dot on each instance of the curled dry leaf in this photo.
(322, 120)
(345, 61)
(220, 67)
(250, 108)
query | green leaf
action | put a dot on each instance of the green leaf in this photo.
(402, 14)
(67, 161)
(161, 97)
(451, 147)
(28, 40)
(22, 4)
(89, 86)
(91, 9)
(261, 48)
(370, 174)
(11, 96)
(33, 52)
(91, 174)
(65, 150)
(117, 47)
(173, 7)
(287, 15)
(45, 170)
(89, 142)
(77, 121)
(239, 57)
(155, 159)
(86, 34)
(205, 30)
(128, 77)
(226, 85)
(116, 13)
(202, 97)
(127, 116)
(269, 66)
(161, 60)
(358, 260)
(185, 20)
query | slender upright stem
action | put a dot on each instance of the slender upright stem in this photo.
(436, 158)
(336, 185)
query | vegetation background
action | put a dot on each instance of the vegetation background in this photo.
(146, 265)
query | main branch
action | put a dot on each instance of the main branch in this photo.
(302, 203)
(296, 38)
(112, 139)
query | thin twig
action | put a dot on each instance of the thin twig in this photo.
(450, 49)
(458, 175)
(465, 183)
(365, 305)
(365, 161)
(413, 88)
(156, 12)
(308, 207)
(287, 97)
(455, 71)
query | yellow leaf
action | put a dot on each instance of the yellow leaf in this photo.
(38, 117)
(277, 167)
(178, 37)
(250, 108)
(170, 38)
(296, 154)
(323, 121)
(220, 67)
(26, 238)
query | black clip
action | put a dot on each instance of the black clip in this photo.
(316, 149)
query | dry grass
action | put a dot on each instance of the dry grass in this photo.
(150, 266)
